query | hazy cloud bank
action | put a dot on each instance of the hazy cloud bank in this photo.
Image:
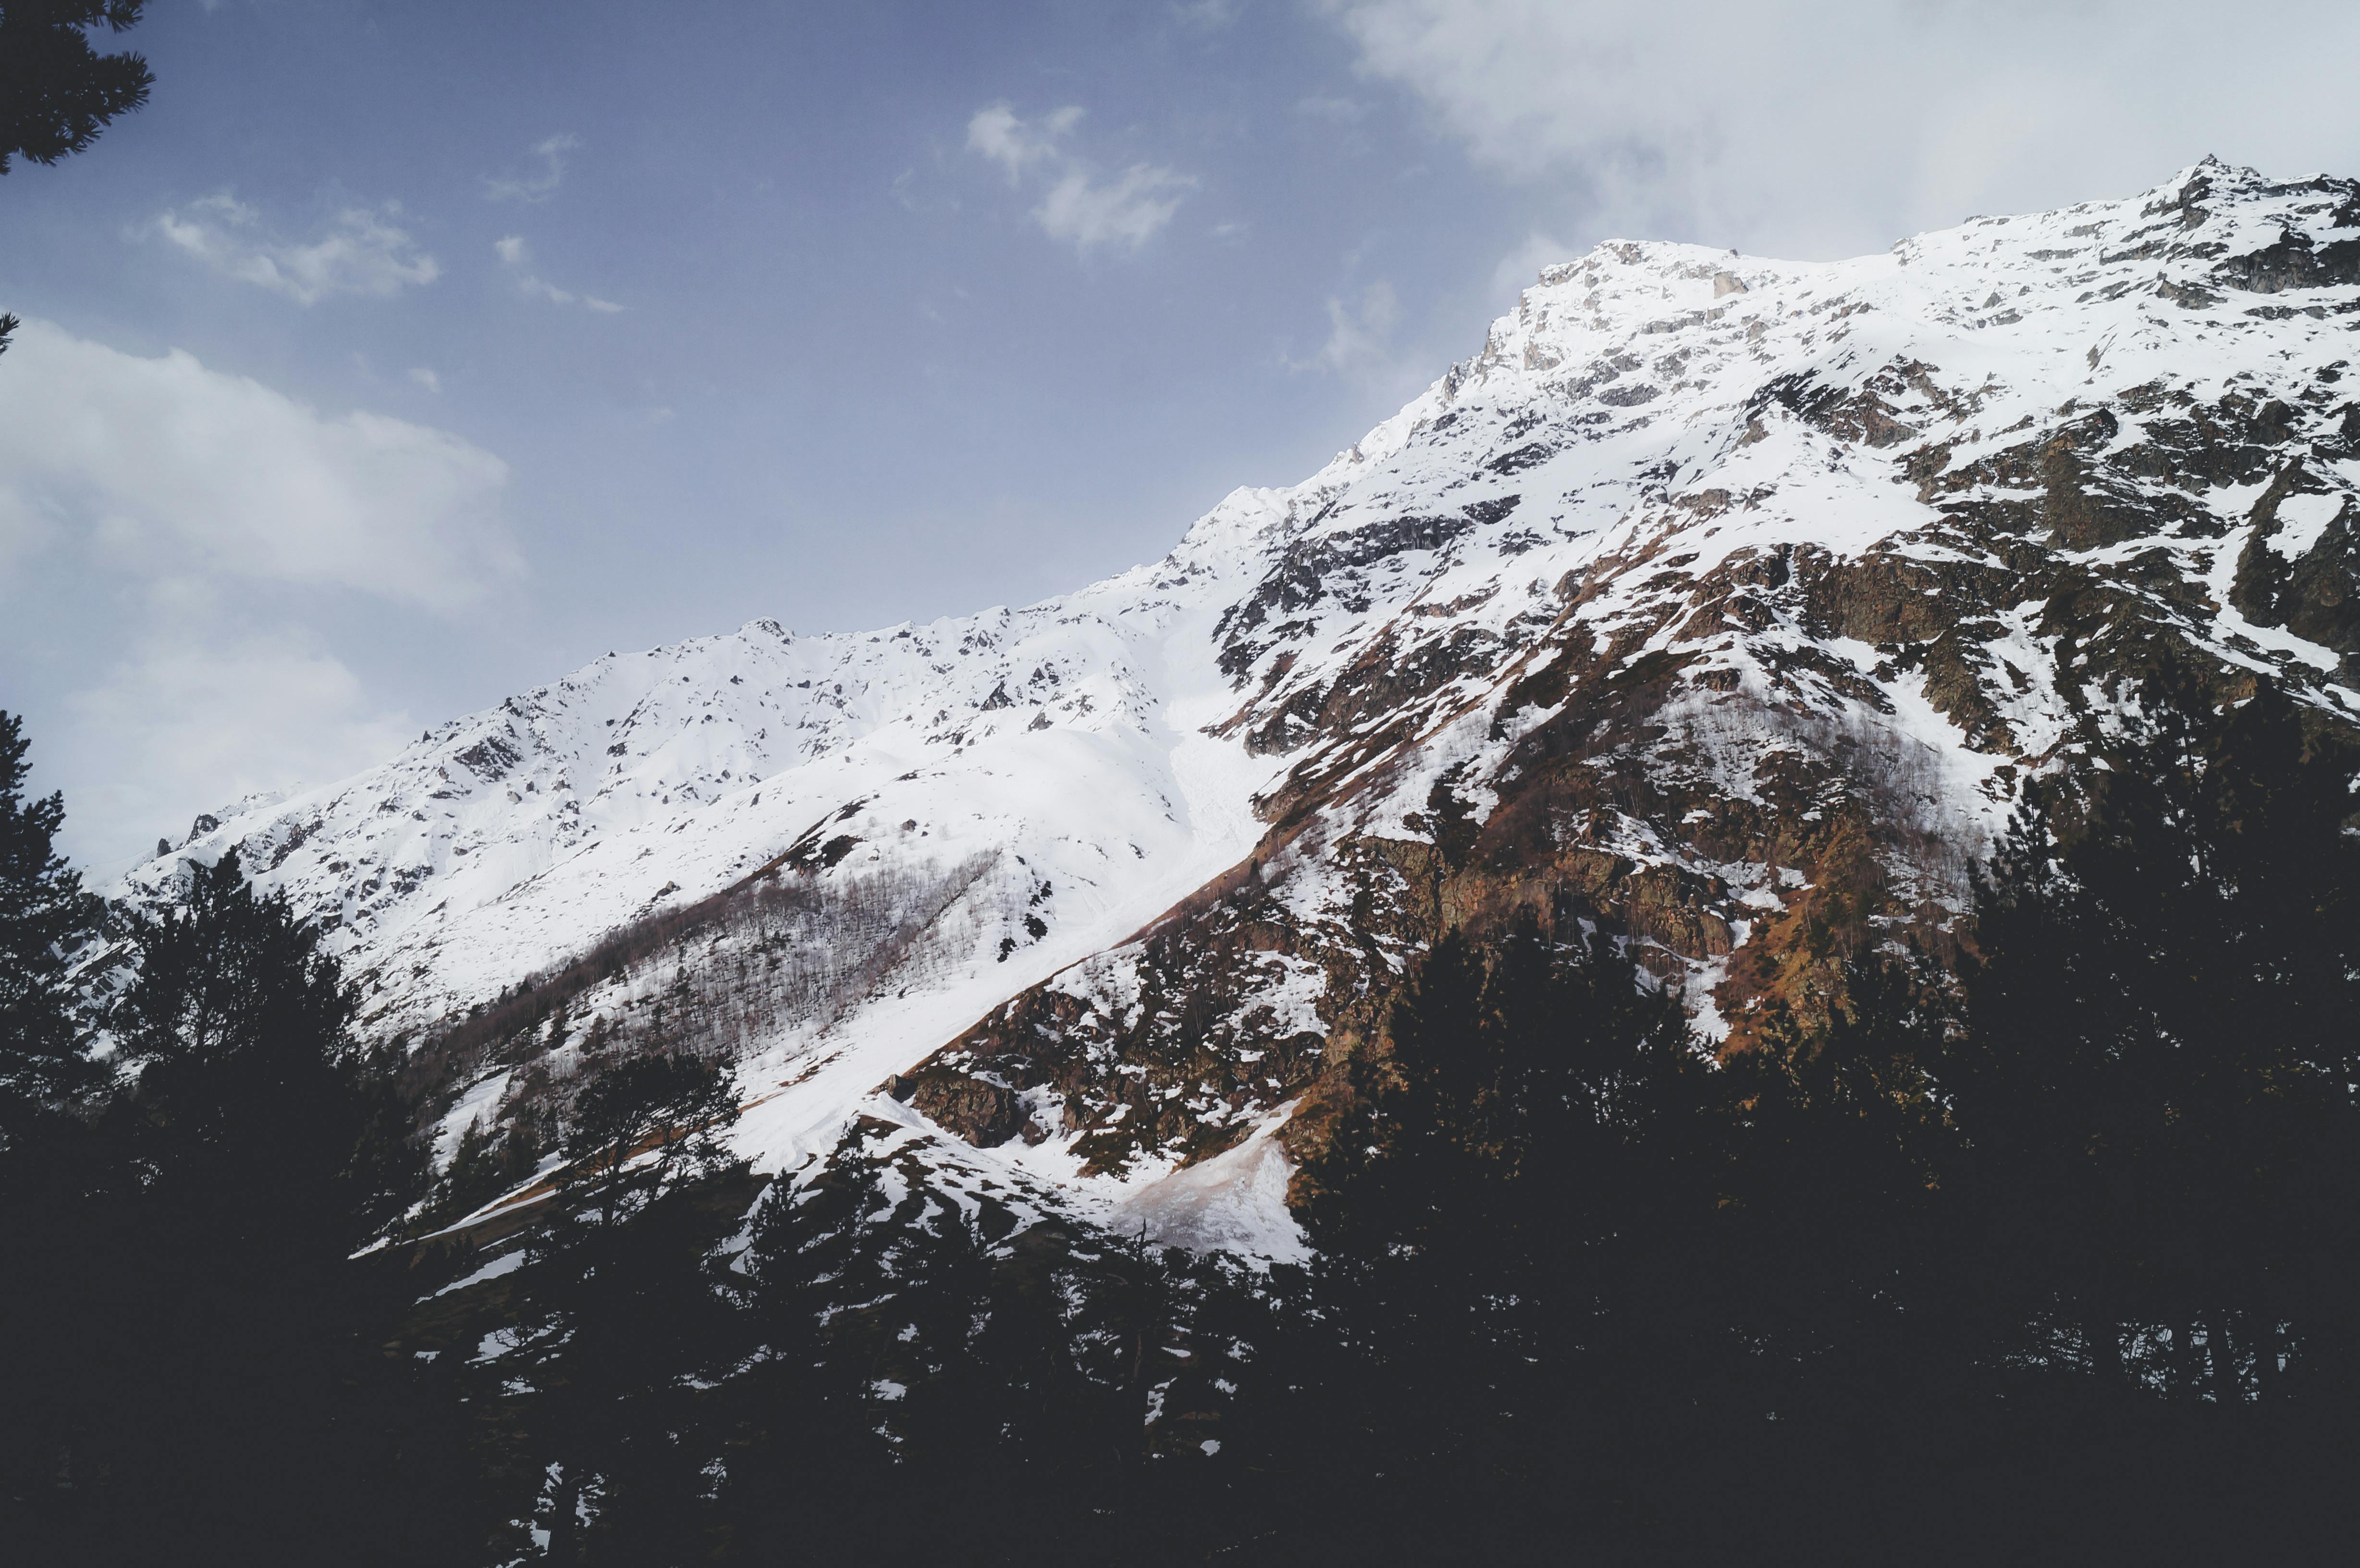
(1834, 128)
(202, 531)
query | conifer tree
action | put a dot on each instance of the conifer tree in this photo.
(1524, 1150)
(811, 1482)
(48, 1159)
(56, 91)
(48, 924)
(247, 1108)
(675, 1107)
(198, 1388)
(625, 1305)
(628, 1320)
(2158, 1085)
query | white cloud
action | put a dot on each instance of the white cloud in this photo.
(1360, 338)
(1521, 268)
(1834, 128)
(1127, 212)
(360, 252)
(164, 468)
(1076, 208)
(426, 378)
(517, 256)
(538, 186)
(184, 543)
(195, 715)
(1016, 144)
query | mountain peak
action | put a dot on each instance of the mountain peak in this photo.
(1723, 601)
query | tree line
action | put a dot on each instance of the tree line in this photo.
(755, 964)
(191, 1144)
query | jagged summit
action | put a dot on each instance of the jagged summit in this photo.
(1724, 601)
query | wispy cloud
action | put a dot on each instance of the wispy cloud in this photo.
(1000, 134)
(1521, 268)
(534, 187)
(517, 256)
(1359, 337)
(1077, 207)
(1126, 212)
(426, 377)
(362, 251)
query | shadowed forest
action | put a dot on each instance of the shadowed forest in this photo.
(2050, 1253)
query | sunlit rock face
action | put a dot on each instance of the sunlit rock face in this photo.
(1723, 601)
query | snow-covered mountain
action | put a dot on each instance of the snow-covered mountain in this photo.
(1725, 600)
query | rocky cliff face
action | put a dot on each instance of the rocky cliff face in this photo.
(1726, 602)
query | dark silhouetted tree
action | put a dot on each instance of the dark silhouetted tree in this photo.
(201, 1384)
(2158, 1087)
(628, 1306)
(57, 92)
(247, 1108)
(47, 924)
(672, 1108)
(1489, 1209)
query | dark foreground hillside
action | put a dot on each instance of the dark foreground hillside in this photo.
(2044, 1254)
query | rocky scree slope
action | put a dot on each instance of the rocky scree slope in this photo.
(1724, 602)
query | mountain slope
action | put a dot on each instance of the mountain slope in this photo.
(1724, 601)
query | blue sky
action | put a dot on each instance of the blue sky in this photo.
(400, 356)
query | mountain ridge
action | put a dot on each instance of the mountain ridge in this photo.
(1723, 602)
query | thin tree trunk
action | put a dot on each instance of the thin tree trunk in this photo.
(562, 1547)
(2266, 1357)
(2186, 1375)
(2228, 1386)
